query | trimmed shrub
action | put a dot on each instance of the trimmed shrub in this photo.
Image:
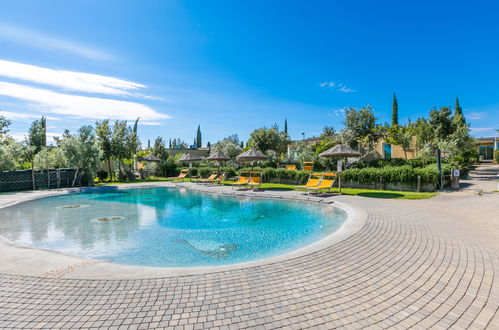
(496, 155)
(390, 174)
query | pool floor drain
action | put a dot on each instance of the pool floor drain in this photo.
(111, 218)
(72, 207)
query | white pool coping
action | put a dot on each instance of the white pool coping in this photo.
(31, 261)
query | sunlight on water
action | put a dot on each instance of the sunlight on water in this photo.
(168, 226)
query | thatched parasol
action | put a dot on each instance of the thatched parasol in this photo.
(217, 156)
(149, 158)
(251, 155)
(188, 158)
(339, 151)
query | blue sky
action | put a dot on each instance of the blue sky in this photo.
(232, 66)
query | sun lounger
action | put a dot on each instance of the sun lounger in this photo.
(182, 175)
(210, 178)
(291, 167)
(243, 180)
(255, 179)
(313, 181)
(327, 182)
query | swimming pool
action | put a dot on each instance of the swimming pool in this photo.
(168, 226)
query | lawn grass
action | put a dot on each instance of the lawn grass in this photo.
(356, 192)
(385, 194)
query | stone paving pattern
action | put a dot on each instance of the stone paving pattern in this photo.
(407, 268)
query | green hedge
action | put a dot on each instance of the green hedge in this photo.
(205, 172)
(496, 156)
(390, 174)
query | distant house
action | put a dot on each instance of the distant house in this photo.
(386, 150)
(487, 145)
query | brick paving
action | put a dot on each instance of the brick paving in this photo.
(401, 270)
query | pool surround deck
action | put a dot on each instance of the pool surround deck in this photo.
(412, 264)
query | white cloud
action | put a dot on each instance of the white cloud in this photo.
(340, 87)
(339, 112)
(80, 106)
(35, 39)
(20, 136)
(345, 89)
(69, 80)
(475, 115)
(327, 84)
(16, 115)
(481, 129)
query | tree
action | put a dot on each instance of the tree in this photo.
(118, 143)
(4, 124)
(361, 128)
(37, 135)
(50, 158)
(82, 151)
(208, 144)
(441, 124)
(104, 136)
(12, 154)
(286, 125)
(401, 135)
(458, 112)
(422, 130)
(395, 111)
(160, 151)
(265, 139)
(133, 142)
(198, 141)
(228, 146)
(327, 131)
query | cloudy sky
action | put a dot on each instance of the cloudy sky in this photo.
(234, 66)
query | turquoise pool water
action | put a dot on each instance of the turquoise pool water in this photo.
(168, 227)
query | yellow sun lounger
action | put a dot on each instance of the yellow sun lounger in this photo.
(182, 175)
(210, 178)
(291, 167)
(327, 182)
(255, 179)
(243, 179)
(313, 181)
(220, 178)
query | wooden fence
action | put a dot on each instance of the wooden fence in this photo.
(47, 179)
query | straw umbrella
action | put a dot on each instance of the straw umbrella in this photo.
(150, 158)
(217, 157)
(188, 158)
(251, 155)
(339, 151)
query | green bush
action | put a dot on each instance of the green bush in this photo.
(390, 174)
(496, 155)
(205, 172)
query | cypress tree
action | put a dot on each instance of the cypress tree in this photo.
(44, 130)
(208, 144)
(458, 111)
(286, 125)
(395, 111)
(199, 141)
(148, 143)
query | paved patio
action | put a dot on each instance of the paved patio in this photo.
(413, 264)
